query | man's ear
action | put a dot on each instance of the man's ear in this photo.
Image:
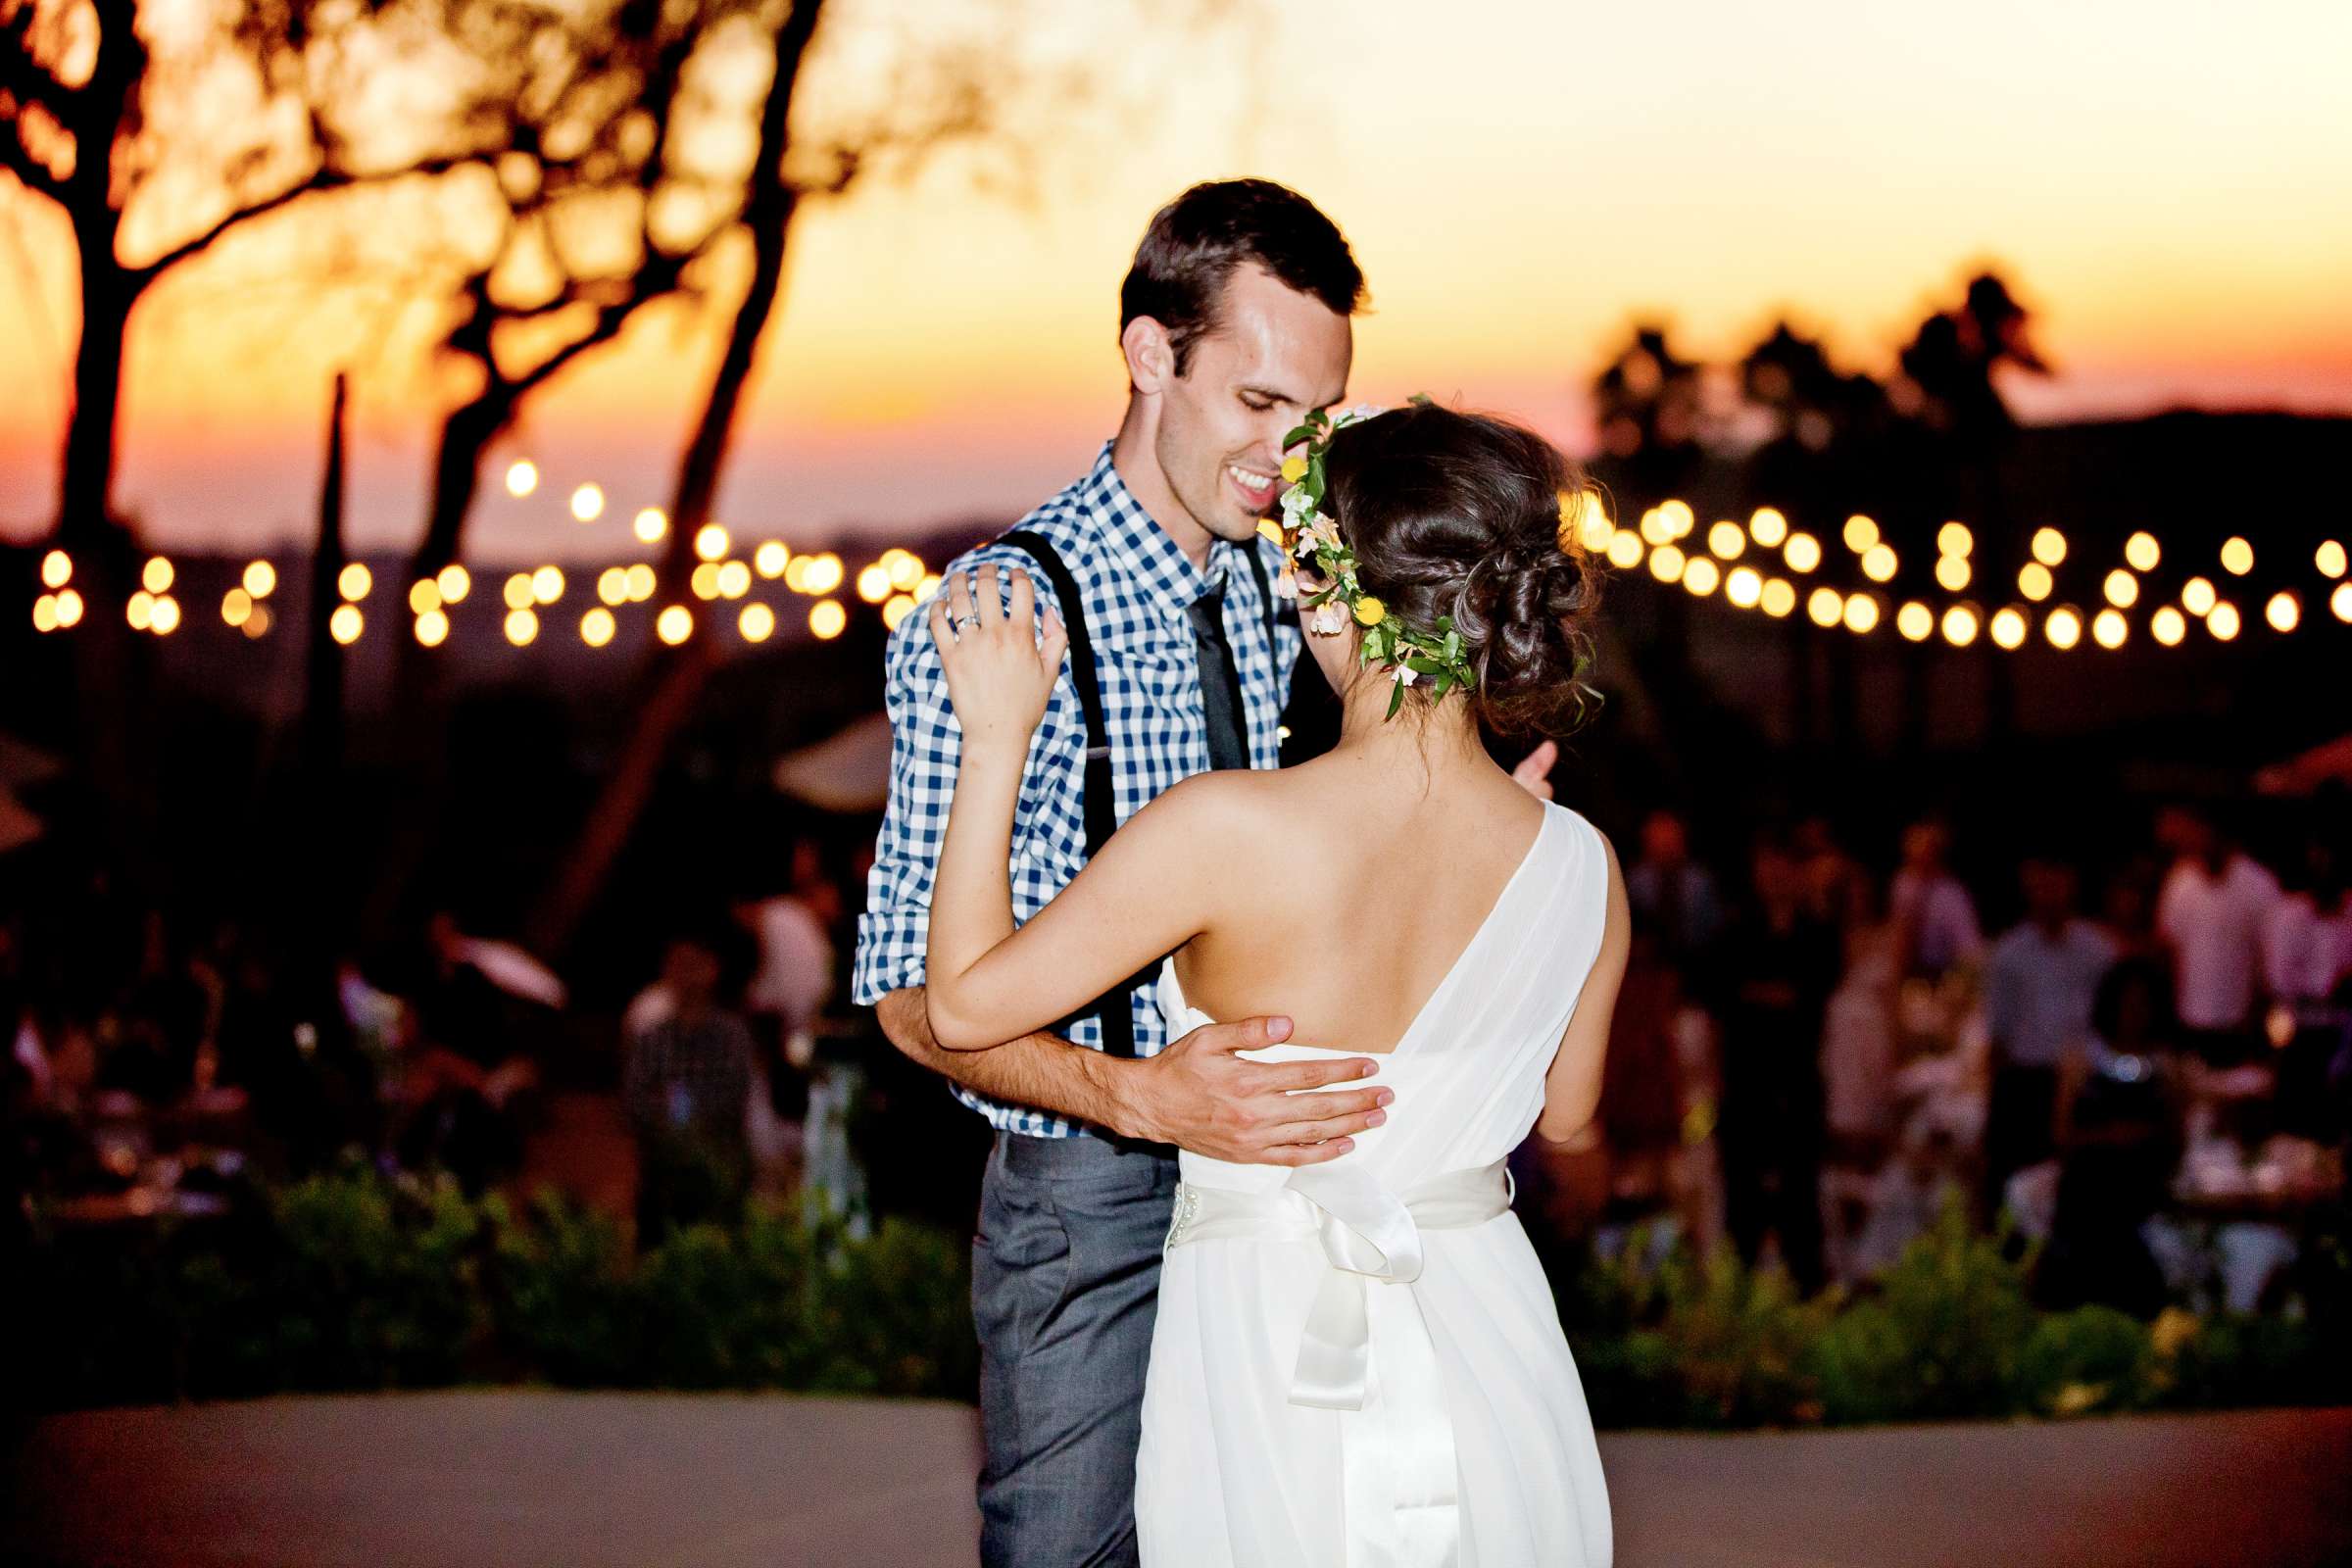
(1150, 356)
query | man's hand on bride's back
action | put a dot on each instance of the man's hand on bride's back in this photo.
(1000, 670)
(1201, 1093)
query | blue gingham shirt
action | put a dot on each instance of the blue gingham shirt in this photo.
(1134, 584)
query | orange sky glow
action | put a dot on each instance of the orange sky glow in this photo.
(2167, 184)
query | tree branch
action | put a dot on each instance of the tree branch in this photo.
(29, 170)
(323, 178)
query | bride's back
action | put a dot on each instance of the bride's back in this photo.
(1360, 879)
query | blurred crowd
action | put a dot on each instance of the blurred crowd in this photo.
(2145, 1071)
(2143, 1067)
(152, 1063)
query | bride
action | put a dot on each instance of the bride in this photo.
(1357, 1362)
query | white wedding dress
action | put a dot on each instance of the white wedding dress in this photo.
(1359, 1363)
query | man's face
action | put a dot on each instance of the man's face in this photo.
(1271, 355)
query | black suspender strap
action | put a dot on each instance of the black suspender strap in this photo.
(1116, 1007)
(1265, 599)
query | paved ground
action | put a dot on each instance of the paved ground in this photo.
(509, 1480)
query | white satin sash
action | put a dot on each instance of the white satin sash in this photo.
(1398, 1473)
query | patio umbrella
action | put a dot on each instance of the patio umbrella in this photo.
(847, 771)
(2327, 764)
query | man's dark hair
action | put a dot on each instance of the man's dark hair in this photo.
(1196, 240)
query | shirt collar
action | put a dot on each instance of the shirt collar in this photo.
(1161, 573)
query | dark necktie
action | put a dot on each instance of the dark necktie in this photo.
(1220, 682)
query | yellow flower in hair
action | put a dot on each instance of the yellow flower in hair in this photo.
(1293, 469)
(1370, 610)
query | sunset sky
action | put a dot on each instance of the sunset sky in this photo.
(2169, 185)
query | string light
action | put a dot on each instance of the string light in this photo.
(56, 569)
(455, 583)
(2108, 629)
(1861, 613)
(1915, 621)
(1700, 575)
(433, 629)
(1779, 597)
(1825, 607)
(613, 585)
(674, 624)
(826, 619)
(346, 624)
(2049, 546)
(2008, 626)
(597, 627)
(1879, 562)
(587, 505)
(1666, 563)
(1803, 552)
(1952, 573)
(2122, 589)
(2329, 558)
(2198, 596)
(768, 560)
(1625, 550)
(2284, 612)
(2168, 626)
(355, 582)
(2222, 620)
(260, 578)
(424, 596)
(1960, 625)
(703, 582)
(1954, 539)
(651, 524)
(522, 477)
(1743, 587)
(522, 626)
(874, 583)
(756, 622)
(516, 592)
(2237, 557)
(1727, 540)
(547, 585)
(896, 609)
(155, 576)
(2033, 580)
(711, 542)
(236, 606)
(734, 580)
(2340, 601)
(1861, 533)
(1768, 527)
(2063, 627)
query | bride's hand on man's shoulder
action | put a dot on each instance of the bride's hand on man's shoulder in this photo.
(1001, 668)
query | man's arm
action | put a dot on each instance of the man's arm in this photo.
(1199, 1093)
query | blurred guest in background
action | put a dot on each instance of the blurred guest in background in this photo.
(1673, 897)
(1934, 919)
(470, 1081)
(2211, 913)
(2307, 967)
(1779, 963)
(2039, 981)
(2118, 1144)
(686, 1084)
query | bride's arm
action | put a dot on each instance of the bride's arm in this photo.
(1144, 893)
(1572, 1088)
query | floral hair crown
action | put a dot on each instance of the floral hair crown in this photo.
(1307, 533)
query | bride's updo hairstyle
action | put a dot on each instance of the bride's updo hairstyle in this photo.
(1459, 514)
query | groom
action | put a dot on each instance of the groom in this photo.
(1234, 323)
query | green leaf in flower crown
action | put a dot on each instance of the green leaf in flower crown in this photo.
(1444, 625)
(1395, 700)
(1422, 664)
(1444, 682)
(1453, 646)
(1305, 432)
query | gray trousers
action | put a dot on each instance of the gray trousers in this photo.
(1065, 1278)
